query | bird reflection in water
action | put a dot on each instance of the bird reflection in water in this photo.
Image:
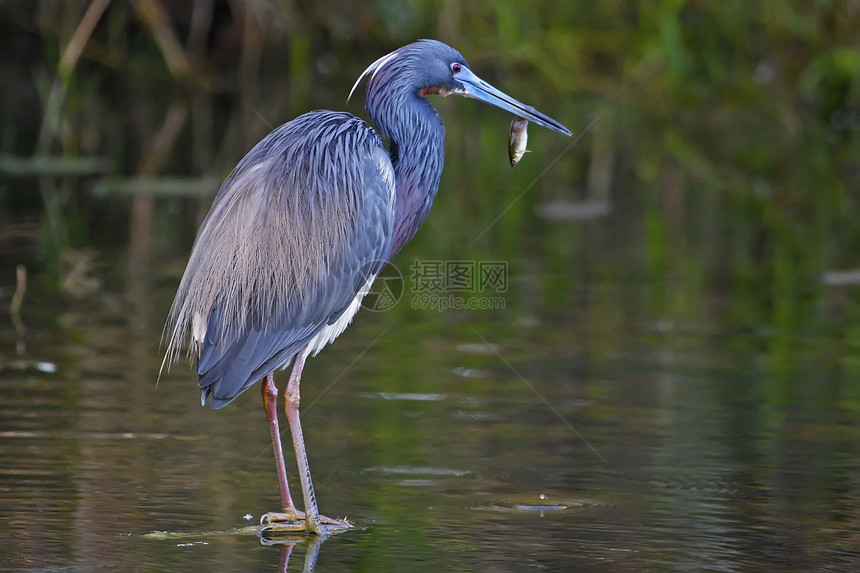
(312, 545)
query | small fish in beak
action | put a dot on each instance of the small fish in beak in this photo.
(518, 138)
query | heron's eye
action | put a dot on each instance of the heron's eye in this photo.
(456, 68)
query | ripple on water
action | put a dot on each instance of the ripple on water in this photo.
(417, 471)
(407, 396)
(540, 505)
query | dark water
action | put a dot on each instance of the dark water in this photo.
(574, 429)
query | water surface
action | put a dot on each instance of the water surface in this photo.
(559, 437)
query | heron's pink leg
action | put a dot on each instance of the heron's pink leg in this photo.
(270, 401)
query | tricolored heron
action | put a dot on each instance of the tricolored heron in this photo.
(302, 227)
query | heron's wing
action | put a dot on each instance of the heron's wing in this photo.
(294, 234)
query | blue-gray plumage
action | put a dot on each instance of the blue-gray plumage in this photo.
(302, 226)
(318, 185)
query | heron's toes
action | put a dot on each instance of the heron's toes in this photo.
(336, 524)
(283, 521)
(295, 521)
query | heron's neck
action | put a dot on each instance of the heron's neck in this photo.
(417, 150)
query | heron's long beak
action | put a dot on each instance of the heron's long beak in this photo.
(475, 87)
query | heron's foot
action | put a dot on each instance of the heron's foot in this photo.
(294, 521)
(283, 521)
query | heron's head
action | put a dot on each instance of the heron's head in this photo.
(431, 67)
